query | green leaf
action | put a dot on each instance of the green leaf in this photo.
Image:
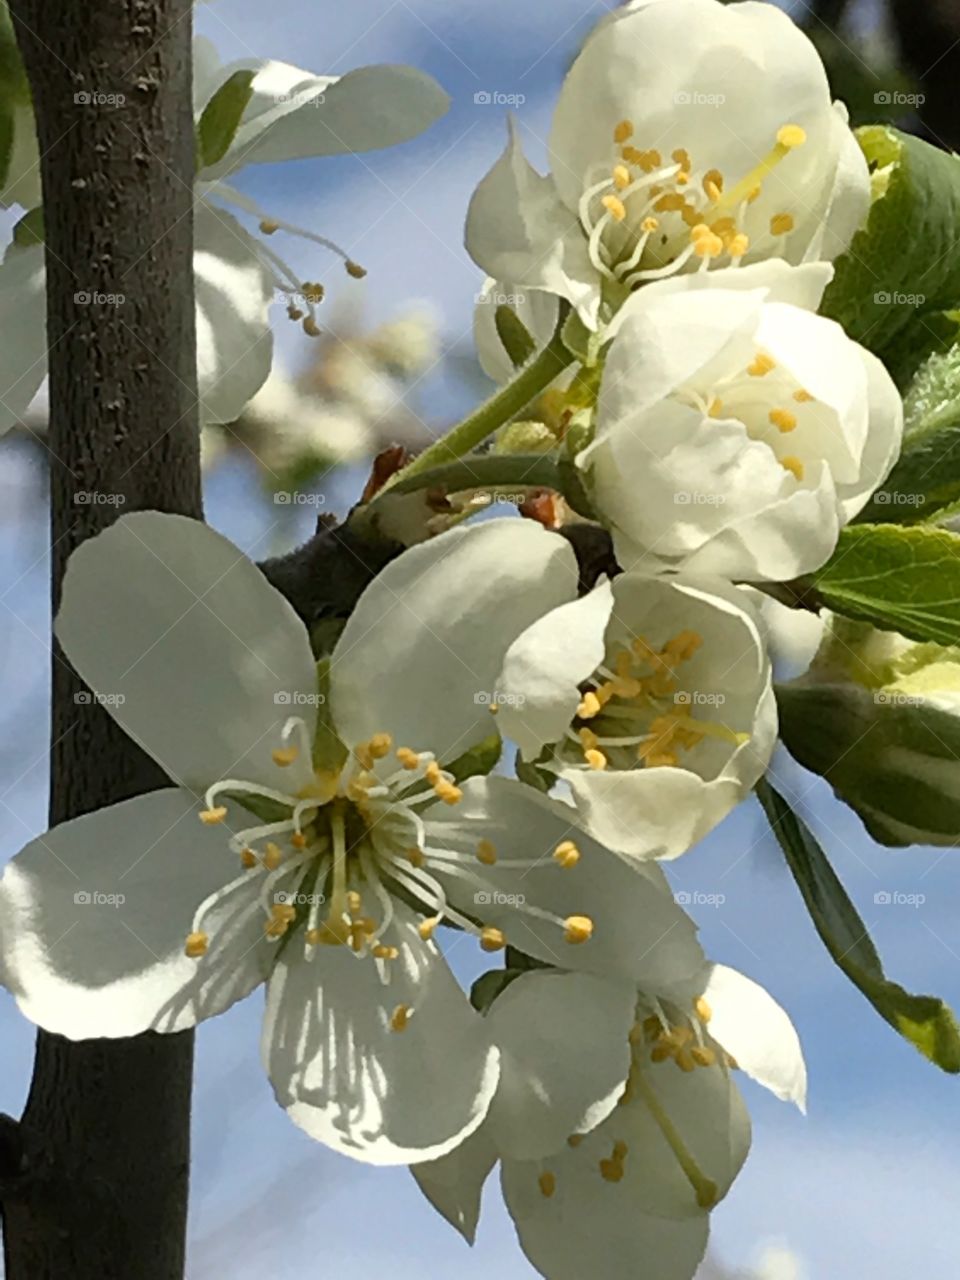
(7, 121)
(489, 986)
(530, 773)
(897, 578)
(925, 1021)
(221, 117)
(30, 229)
(889, 755)
(903, 265)
(926, 478)
(515, 337)
(479, 760)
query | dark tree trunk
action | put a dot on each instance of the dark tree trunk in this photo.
(95, 1177)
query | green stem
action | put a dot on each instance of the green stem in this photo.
(502, 407)
(500, 471)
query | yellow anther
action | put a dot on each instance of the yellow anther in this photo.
(248, 858)
(547, 1182)
(682, 179)
(427, 928)
(268, 226)
(649, 225)
(383, 952)
(313, 937)
(708, 246)
(615, 207)
(400, 1017)
(566, 854)
(408, 759)
(682, 157)
(620, 1151)
(210, 817)
(651, 160)
(355, 271)
(713, 178)
(415, 857)
(781, 224)
(631, 154)
(791, 136)
(448, 793)
(793, 465)
(487, 853)
(432, 773)
(702, 1007)
(577, 929)
(284, 756)
(738, 245)
(589, 707)
(298, 840)
(662, 1051)
(623, 132)
(754, 194)
(272, 857)
(691, 216)
(713, 192)
(595, 759)
(284, 911)
(492, 939)
(380, 745)
(670, 202)
(621, 176)
(761, 365)
(611, 1170)
(802, 397)
(715, 408)
(588, 739)
(783, 420)
(354, 901)
(703, 1055)
(196, 945)
(684, 1060)
(699, 230)
(310, 327)
(275, 927)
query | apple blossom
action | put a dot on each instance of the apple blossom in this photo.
(737, 432)
(652, 699)
(616, 1118)
(688, 135)
(290, 114)
(333, 839)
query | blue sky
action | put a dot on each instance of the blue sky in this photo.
(866, 1184)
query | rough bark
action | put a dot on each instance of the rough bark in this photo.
(94, 1178)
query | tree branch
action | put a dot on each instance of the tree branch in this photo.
(98, 1186)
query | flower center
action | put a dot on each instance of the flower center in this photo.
(646, 217)
(333, 859)
(766, 399)
(634, 712)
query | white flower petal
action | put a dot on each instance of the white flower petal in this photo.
(538, 686)
(849, 202)
(592, 1227)
(294, 114)
(95, 913)
(348, 1079)
(23, 322)
(421, 652)
(518, 230)
(884, 436)
(194, 653)
(752, 1027)
(565, 1058)
(639, 932)
(234, 292)
(454, 1183)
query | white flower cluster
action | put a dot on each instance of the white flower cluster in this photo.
(701, 182)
